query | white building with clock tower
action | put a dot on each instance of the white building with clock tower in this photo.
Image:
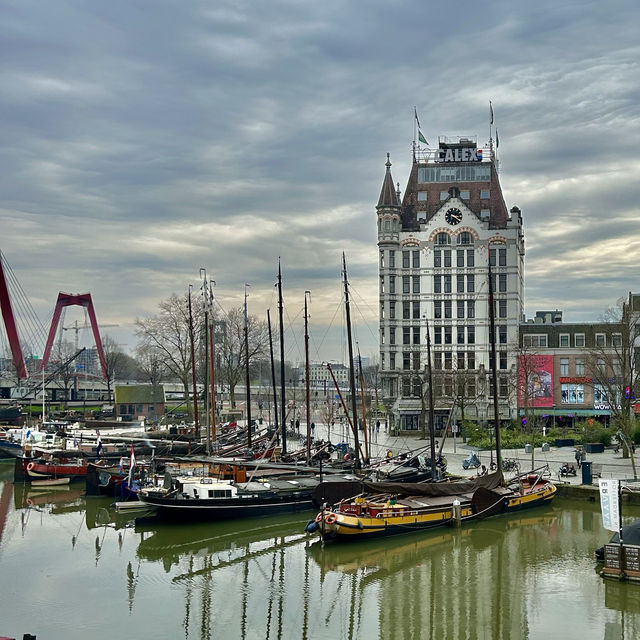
(435, 244)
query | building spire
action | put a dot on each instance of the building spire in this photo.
(388, 195)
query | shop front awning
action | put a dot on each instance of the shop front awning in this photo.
(569, 413)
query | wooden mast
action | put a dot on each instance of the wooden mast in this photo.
(246, 358)
(367, 452)
(273, 373)
(212, 363)
(306, 374)
(354, 407)
(494, 368)
(282, 390)
(432, 431)
(193, 369)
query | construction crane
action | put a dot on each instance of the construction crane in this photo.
(76, 327)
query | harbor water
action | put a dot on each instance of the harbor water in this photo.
(71, 568)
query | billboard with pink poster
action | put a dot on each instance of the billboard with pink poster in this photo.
(535, 376)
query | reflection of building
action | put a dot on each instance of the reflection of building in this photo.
(435, 246)
(563, 358)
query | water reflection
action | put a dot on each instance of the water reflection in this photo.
(523, 576)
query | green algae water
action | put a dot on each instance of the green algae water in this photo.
(69, 568)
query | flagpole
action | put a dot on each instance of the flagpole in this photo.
(491, 129)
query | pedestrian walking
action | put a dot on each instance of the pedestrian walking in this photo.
(578, 457)
(377, 426)
(297, 424)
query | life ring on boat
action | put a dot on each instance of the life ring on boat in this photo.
(331, 518)
(319, 517)
(30, 466)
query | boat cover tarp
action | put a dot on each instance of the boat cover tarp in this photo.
(332, 492)
(630, 534)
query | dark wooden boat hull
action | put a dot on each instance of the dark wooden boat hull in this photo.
(226, 508)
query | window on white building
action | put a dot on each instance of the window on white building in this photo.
(616, 339)
(579, 339)
(601, 340)
(579, 366)
(564, 340)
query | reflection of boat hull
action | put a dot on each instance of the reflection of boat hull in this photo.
(50, 483)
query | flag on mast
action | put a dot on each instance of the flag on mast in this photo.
(497, 140)
(421, 138)
(415, 113)
(490, 112)
(132, 464)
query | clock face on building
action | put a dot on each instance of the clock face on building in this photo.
(453, 216)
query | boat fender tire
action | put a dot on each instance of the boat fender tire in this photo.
(331, 518)
(360, 525)
(319, 517)
(30, 466)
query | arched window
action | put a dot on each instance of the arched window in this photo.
(465, 238)
(443, 238)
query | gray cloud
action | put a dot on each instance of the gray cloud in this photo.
(143, 141)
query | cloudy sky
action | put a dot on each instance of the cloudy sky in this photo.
(143, 140)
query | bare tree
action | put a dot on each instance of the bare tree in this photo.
(613, 367)
(230, 350)
(168, 333)
(151, 366)
(117, 363)
(65, 366)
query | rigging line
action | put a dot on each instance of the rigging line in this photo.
(366, 322)
(24, 311)
(293, 333)
(335, 313)
(15, 280)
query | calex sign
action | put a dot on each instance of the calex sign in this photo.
(459, 154)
